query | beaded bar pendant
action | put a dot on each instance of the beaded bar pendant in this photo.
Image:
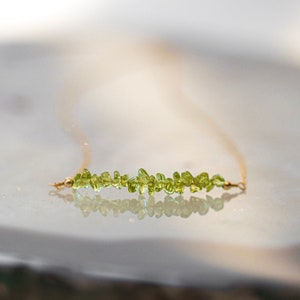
(144, 182)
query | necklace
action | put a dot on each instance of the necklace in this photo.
(142, 181)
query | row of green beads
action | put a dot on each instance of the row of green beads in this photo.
(152, 183)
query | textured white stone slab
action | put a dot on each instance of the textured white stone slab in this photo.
(132, 120)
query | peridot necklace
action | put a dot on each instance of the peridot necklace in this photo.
(143, 181)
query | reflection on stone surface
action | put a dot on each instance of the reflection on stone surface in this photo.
(146, 206)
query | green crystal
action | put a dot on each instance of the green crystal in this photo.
(76, 184)
(143, 179)
(178, 184)
(95, 182)
(210, 186)
(86, 174)
(116, 181)
(160, 182)
(132, 185)
(179, 187)
(141, 188)
(151, 185)
(143, 174)
(83, 179)
(77, 177)
(124, 180)
(187, 178)
(176, 176)
(106, 179)
(194, 188)
(169, 186)
(203, 180)
(218, 180)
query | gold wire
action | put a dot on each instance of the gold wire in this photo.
(193, 110)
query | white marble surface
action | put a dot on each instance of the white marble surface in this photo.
(132, 120)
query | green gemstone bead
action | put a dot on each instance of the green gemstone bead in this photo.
(77, 177)
(76, 185)
(143, 174)
(218, 180)
(210, 186)
(132, 185)
(194, 188)
(176, 176)
(178, 184)
(179, 187)
(124, 180)
(95, 182)
(143, 179)
(187, 178)
(141, 188)
(84, 179)
(151, 185)
(169, 186)
(86, 174)
(203, 180)
(116, 181)
(105, 179)
(160, 182)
